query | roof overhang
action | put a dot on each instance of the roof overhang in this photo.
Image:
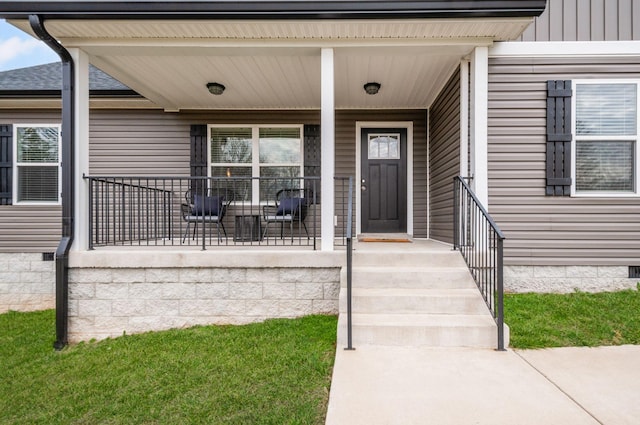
(252, 9)
(411, 48)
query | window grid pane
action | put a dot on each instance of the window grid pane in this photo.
(606, 109)
(280, 149)
(240, 182)
(38, 183)
(605, 166)
(231, 145)
(37, 145)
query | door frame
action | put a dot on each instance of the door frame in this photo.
(408, 125)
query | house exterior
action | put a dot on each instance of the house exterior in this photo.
(535, 102)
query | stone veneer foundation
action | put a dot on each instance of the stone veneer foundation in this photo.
(26, 282)
(564, 279)
(109, 297)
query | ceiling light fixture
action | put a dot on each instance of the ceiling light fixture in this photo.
(372, 88)
(215, 88)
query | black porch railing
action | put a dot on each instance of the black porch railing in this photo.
(480, 241)
(210, 211)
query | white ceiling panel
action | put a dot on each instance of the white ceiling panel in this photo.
(276, 64)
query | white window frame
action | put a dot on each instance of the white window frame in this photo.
(255, 154)
(16, 165)
(575, 139)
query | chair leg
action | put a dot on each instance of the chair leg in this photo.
(186, 232)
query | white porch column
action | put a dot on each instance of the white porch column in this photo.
(464, 118)
(479, 123)
(327, 135)
(81, 146)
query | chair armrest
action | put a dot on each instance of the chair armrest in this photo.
(185, 209)
(269, 210)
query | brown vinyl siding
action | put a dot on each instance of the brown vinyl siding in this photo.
(30, 228)
(544, 230)
(444, 155)
(586, 20)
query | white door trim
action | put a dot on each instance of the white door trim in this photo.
(408, 125)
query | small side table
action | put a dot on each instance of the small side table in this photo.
(248, 228)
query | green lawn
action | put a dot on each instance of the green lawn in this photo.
(575, 319)
(276, 372)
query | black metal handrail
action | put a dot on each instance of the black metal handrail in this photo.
(481, 243)
(161, 211)
(349, 264)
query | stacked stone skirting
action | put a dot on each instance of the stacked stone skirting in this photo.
(26, 282)
(108, 301)
(564, 279)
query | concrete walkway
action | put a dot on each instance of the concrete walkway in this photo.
(378, 385)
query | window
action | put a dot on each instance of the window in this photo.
(273, 153)
(37, 163)
(384, 146)
(606, 137)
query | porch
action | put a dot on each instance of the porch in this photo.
(205, 212)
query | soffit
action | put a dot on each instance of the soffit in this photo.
(498, 29)
(276, 64)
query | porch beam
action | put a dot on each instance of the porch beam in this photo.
(327, 136)
(479, 123)
(81, 148)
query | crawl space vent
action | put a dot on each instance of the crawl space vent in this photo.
(634, 271)
(48, 256)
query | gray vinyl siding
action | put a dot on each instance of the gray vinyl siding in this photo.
(444, 154)
(30, 228)
(542, 230)
(155, 143)
(586, 20)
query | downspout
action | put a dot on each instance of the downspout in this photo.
(68, 195)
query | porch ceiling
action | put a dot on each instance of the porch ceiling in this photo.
(276, 64)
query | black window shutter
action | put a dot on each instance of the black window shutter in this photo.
(558, 138)
(312, 151)
(198, 162)
(6, 164)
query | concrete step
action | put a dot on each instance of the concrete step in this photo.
(410, 277)
(434, 258)
(421, 330)
(429, 301)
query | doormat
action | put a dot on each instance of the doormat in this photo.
(382, 239)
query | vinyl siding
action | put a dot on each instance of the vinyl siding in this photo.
(586, 20)
(154, 143)
(30, 228)
(542, 230)
(444, 154)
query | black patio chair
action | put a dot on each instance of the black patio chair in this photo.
(207, 209)
(291, 206)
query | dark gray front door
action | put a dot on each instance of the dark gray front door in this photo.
(384, 180)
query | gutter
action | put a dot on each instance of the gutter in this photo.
(274, 9)
(68, 195)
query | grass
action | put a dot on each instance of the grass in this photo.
(575, 319)
(276, 372)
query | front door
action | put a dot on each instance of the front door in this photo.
(384, 180)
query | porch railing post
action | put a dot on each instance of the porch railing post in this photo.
(500, 294)
(349, 266)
